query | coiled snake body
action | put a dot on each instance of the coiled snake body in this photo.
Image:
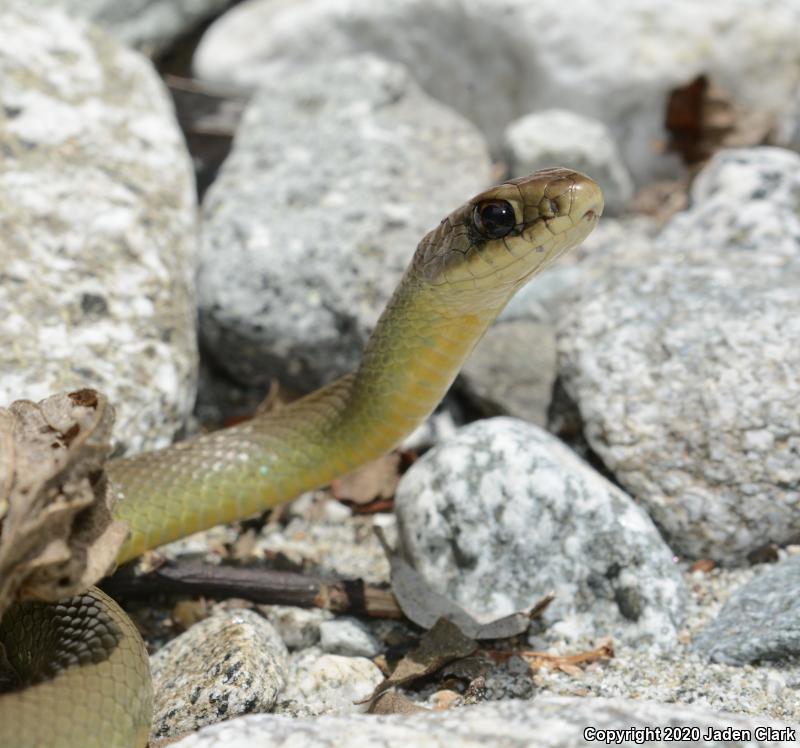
(83, 664)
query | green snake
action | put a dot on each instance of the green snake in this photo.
(83, 676)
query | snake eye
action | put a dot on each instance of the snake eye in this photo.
(494, 218)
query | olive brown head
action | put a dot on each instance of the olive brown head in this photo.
(483, 252)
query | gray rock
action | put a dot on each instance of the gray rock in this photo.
(559, 136)
(683, 360)
(337, 172)
(761, 620)
(347, 636)
(298, 627)
(150, 25)
(435, 427)
(549, 722)
(329, 684)
(549, 294)
(512, 369)
(231, 664)
(491, 60)
(97, 210)
(504, 513)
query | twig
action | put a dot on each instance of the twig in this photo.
(258, 585)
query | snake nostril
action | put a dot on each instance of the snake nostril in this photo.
(590, 215)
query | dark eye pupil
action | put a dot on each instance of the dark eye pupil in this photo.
(495, 218)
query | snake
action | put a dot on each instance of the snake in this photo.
(80, 669)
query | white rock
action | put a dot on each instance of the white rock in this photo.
(347, 636)
(150, 25)
(330, 684)
(504, 513)
(97, 206)
(512, 369)
(298, 627)
(336, 174)
(563, 138)
(684, 362)
(497, 60)
(546, 722)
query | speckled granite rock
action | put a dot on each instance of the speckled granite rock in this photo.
(550, 722)
(150, 25)
(684, 361)
(504, 513)
(336, 174)
(490, 59)
(329, 684)
(97, 219)
(230, 664)
(559, 136)
(761, 621)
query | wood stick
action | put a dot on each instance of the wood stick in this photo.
(257, 585)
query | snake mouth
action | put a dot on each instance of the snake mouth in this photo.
(505, 235)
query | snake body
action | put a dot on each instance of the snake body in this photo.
(82, 662)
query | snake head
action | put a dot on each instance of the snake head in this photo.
(486, 249)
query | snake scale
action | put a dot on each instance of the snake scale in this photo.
(80, 670)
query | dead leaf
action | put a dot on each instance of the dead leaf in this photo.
(445, 699)
(374, 481)
(444, 643)
(276, 399)
(244, 546)
(57, 535)
(186, 613)
(565, 663)
(392, 702)
(702, 117)
(424, 606)
(704, 565)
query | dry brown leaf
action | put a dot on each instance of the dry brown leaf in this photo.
(374, 481)
(702, 117)
(244, 547)
(57, 535)
(276, 399)
(704, 565)
(568, 663)
(392, 702)
(188, 612)
(445, 699)
(442, 644)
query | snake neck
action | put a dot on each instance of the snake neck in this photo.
(410, 361)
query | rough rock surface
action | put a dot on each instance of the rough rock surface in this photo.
(150, 25)
(504, 513)
(347, 636)
(336, 174)
(684, 361)
(329, 684)
(558, 136)
(761, 621)
(550, 722)
(512, 369)
(230, 664)
(97, 219)
(298, 627)
(492, 60)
